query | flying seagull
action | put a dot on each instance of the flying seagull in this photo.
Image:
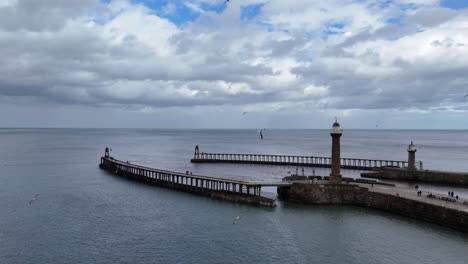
(244, 113)
(466, 96)
(225, 2)
(236, 219)
(33, 199)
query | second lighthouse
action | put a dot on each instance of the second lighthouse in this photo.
(335, 175)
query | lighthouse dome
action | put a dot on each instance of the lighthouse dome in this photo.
(412, 147)
(336, 127)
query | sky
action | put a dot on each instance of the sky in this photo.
(373, 64)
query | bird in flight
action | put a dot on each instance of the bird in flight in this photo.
(225, 2)
(244, 113)
(236, 219)
(35, 197)
(466, 96)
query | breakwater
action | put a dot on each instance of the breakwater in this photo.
(453, 215)
(291, 160)
(218, 188)
(429, 176)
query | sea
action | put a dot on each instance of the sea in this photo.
(57, 206)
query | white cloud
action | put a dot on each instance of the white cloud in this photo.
(314, 90)
(148, 29)
(298, 55)
(419, 2)
(195, 8)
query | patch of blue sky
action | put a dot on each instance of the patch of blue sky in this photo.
(338, 26)
(178, 12)
(333, 28)
(394, 20)
(410, 6)
(250, 11)
(218, 8)
(184, 11)
(381, 4)
(454, 4)
(182, 15)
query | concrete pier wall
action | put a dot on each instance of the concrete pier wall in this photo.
(321, 193)
(415, 209)
(431, 176)
(355, 195)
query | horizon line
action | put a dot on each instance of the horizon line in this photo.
(208, 128)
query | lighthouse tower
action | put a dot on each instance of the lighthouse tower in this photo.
(196, 154)
(336, 132)
(411, 156)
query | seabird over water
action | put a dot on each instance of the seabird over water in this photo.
(236, 219)
(33, 199)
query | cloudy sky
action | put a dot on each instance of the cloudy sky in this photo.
(203, 63)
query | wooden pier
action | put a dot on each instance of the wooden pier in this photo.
(227, 189)
(289, 160)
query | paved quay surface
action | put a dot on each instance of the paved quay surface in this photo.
(411, 193)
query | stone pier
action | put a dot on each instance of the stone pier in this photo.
(405, 202)
(453, 213)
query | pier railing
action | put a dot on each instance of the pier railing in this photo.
(185, 181)
(290, 160)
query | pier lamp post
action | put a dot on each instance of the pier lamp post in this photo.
(411, 156)
(106, 152)
(336, 132)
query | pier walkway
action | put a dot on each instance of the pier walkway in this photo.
(409, 193)
(186, 181)
(288, 160)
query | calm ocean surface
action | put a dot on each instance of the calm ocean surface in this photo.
(84, 215)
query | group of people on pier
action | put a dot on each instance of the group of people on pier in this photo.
(447, 199)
